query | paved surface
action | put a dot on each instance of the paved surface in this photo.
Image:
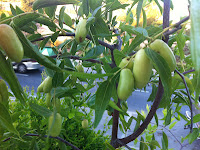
(135, 102)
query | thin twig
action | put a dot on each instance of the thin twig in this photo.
(58, 138)
(177, 26)
(189, 97)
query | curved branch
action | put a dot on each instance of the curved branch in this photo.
(189, 97)
(146, 122)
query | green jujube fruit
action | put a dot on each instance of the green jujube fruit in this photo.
(126, 61)
(126, 84)
(55, 128)
(10, 43)
(48, 99)
(85, 123)
(4, 91)
(79, 68)
(47, 85)
(81, 31)
(142, 69)
(165, 51)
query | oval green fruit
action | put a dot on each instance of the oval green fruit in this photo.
(48, 99)
(165, 51)
(10, 43)
(41, 86)
(81, 31)
(85, 123)
(79, 68)
(4, 91)
(54, 127)
(47, 85)
(126, 84)
(126, 61)
(142, 69)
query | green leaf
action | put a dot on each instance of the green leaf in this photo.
(159, 6)
(61, 16)
(73, 48)
(12, 9)
(144, 18)
(67, 19)
(94, 52)
(50, 11)
(103, 95)
(22, 20)
(57, 79)
(193, 136)
(180, 38)
(87, 75)
(172, 125)
(114, 106)
(45, 21)
(164, 142)
(138, 11)
(168, 117)
(54, 36)
(8, 74)
(85, 5)
(196, 118)
(29, 51)
(155, 144)
(163, 69)
(118, 56)
(6, 120)
(43, 111)
(46, 3)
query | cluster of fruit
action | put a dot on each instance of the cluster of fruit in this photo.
(137, 73)
(10, 43)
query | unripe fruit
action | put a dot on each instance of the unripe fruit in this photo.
(10, 43)
(81, 31)
(41, 86)
(126, 61)
(47, 85)
(79, 68)
(109, 113)
(4, 91)
(126, 84)
(142, 69)
(48, 99)
(165, 51)
(85, 123)
(54, 129)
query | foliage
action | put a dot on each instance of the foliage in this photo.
(27, 119)
(107, 43)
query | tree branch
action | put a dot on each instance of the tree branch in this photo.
(177, 26)
(189, 97)
(146, 122)
(115, 125)
(58, 138)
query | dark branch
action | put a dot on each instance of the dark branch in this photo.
(189, 97)
(177, 26)
(148, 118)
(115, 125)
(58, 138)
(166, 13)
